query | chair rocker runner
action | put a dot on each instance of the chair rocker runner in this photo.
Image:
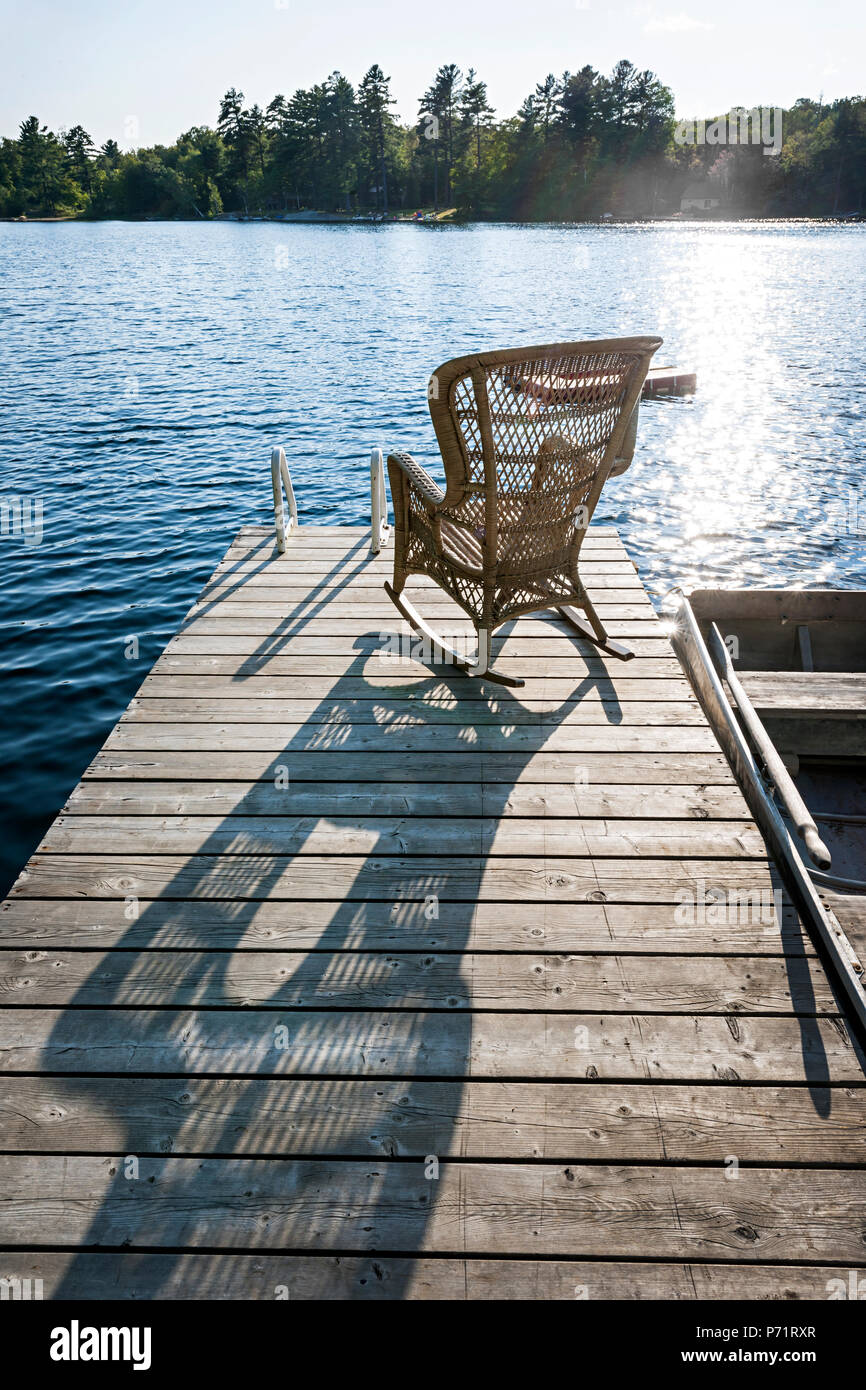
(528, 437)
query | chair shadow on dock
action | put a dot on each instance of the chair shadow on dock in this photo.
(348, 970)
(362, 1188)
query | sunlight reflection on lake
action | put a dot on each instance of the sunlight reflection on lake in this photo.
(147, 370)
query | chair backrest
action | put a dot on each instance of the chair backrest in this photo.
(529, 435)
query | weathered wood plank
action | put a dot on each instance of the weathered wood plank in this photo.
(606, 561)
(337, 548)
(372, 799)
(629, 602)
(789, 694)
(600, 574)
(243, 708)
(418, 690)
(350, 537)
(678, 1213)
(533, 655)
(27, 924)
(850, 912)
(264, 534)
(597, 551)
(290, 738)
(573, 1122)
(353, 543)
(602, 553)
(364, 980)
(328, 553)
(313, 581)
(542, 1046)
(379, 1278)
(544, 623)
(401, 835)
(275, 603)
(742, 885)
(534, 627)
(254, 534)
(614, 602)
(494, 769)
(318, 667)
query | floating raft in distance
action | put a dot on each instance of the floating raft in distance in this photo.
(558, 390)
(669, 381)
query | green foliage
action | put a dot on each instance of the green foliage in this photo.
(45, 176)
(581, 145)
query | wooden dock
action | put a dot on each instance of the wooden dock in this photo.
(342, 977)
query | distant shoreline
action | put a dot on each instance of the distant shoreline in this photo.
(453, 219)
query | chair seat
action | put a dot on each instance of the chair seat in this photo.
(462, 545)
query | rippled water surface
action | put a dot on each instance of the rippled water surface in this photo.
(148, 369)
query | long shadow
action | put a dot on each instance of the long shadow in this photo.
(348, 969)
(816, 1066)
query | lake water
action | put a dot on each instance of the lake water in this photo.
(147, 370)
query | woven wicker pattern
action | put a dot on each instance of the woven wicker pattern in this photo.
(528, 438)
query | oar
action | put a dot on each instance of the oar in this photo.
(794, 803)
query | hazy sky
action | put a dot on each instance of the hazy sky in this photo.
(166, 63)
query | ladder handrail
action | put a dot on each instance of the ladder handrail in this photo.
(378, 503)
(282, 482)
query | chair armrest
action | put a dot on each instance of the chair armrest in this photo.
(418, 478)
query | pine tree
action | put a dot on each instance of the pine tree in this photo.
(546, 100)
(375, 98)
(475, 111)
(42, 167)
(80, 151)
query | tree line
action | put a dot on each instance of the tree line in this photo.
(581, 145)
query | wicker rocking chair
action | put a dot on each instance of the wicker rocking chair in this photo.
(528, 437)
